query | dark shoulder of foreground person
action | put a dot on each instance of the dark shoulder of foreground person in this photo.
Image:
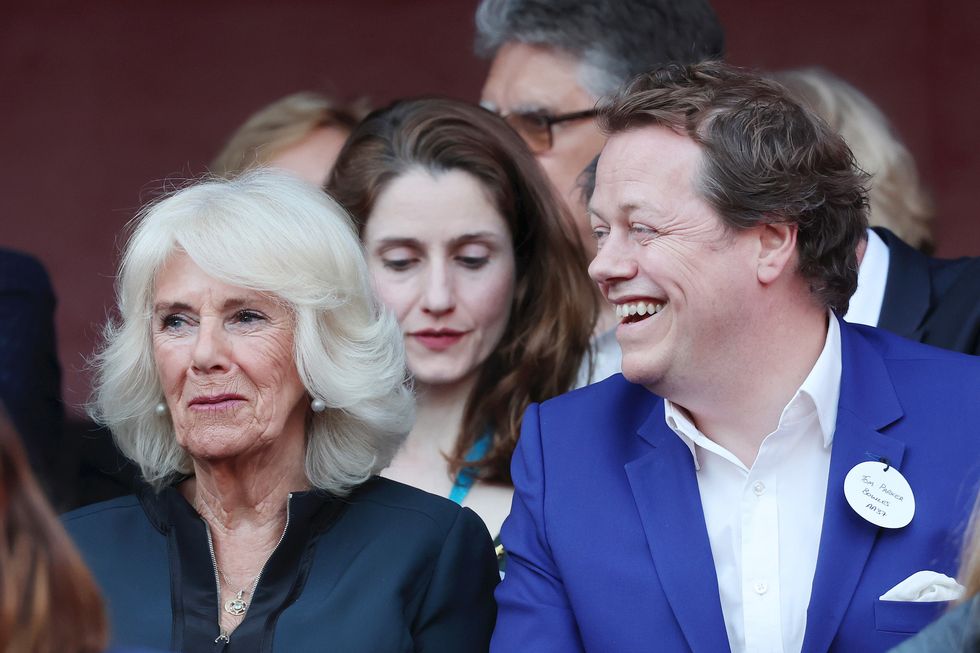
(415, 508)
(444, 552)
(94, 518)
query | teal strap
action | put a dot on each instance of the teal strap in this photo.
(467, 476)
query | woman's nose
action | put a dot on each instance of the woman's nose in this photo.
(211, 347)
(439, 297)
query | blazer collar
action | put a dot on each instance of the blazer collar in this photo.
(868, 405)
(668, 501)
(908, 291)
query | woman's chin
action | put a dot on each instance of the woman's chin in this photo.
(443, 376)
(217, 444)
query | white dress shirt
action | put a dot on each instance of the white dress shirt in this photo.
(764, 522)
(865, 306)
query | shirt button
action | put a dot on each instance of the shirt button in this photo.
(760, 587)
(758, 487)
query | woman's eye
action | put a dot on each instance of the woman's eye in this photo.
(248, 317)
(473, 262)
(173, 321)
(473, 256)
(398, 264)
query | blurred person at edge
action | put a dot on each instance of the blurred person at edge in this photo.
(898, 199)
(301, 133)
(30, 374)
(958, 631)
(716, 516)
(552, 60)
(260, 386)
(465, 243)
(49, 602)
(901, 289)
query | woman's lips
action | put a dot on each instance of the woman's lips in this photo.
(438, 339)
(215, 402)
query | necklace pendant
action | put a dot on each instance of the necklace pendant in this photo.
(236, 606)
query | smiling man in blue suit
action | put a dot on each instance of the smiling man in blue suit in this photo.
(697, 502)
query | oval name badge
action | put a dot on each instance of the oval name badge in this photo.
(880, 494)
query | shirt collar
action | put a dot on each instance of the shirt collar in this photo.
(678, 421)
(821, 386)
(865, 305)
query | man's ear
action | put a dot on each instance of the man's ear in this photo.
(777, 249)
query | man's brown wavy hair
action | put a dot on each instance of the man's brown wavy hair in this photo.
(554, 309)
(48, 600)
(765, 159)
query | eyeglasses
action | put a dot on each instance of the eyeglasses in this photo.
(535, 126)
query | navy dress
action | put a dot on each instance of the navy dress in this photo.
(388, 568)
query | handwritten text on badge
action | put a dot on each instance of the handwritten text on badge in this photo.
(880, 494)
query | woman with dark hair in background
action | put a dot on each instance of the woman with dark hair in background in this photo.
(467, 244)
(48, 600)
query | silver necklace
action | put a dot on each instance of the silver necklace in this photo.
(238, 606)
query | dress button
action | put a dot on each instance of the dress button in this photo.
(760, 587)
(758, 487)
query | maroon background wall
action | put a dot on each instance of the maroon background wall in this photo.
(102, 100)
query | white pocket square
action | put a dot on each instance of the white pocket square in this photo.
(925, 586)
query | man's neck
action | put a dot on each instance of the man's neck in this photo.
(744, 403)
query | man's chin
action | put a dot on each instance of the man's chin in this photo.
(642, 373)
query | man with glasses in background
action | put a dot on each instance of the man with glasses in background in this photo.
(552, 60)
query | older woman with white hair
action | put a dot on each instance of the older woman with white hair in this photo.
(259, 385)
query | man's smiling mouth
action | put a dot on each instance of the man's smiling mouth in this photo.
(636, 311)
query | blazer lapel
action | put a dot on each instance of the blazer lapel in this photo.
(867, 405)
(908, 291)
(666, 491)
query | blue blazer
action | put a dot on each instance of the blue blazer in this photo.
(607, 545)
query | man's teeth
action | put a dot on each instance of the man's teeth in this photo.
(638, 308)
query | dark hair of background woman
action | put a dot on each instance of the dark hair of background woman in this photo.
(48, 600)
(547, 337)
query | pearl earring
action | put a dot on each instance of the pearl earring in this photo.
(160, 409)
(318, 405)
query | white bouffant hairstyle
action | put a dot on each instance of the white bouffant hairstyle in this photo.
(899, 199)
(270, 232)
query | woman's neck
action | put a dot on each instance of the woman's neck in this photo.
(248, 491)
(421, 461)
(439, 415)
